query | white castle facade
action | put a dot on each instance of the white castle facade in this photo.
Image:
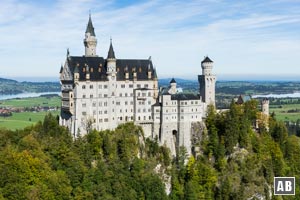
(99, 93)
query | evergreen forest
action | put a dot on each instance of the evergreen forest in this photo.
(240, 154)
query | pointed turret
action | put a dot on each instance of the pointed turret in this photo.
(111, 60)
(173, 81)
(90, 41)
(172, 88)
(90, 27)
(61, 69)
(111, 53)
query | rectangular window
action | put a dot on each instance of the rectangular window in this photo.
(83, 113)
(91, 96)
(94, 104)
(138, 85)
(100, 120)
(118, 103)
(83, 86)
(105, 86)
(146, 86)
(106, 120)
(100, 86)
(83, 96)
(91, 86)
(130, 85)
(84, 105)
(123, 86)
(105, 95)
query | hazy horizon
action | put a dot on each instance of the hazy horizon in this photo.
(222, 77)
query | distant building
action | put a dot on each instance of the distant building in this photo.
(99, 93)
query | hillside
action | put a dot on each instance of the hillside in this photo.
(235, 162)
(8, 86)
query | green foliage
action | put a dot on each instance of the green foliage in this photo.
(237, 162)
(45, 162)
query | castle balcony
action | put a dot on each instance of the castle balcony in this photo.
(65, 96)
(65, 105)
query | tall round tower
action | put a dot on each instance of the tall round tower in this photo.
(265, 106)
(90, 41)
(207, 82)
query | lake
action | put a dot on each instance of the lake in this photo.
(26, 95)
(294, 95)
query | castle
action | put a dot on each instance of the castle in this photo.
(99, 93)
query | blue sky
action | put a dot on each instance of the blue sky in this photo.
(243, 38)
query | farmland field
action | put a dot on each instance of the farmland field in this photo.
(20, 120)
(24, 119)
(283, 112)
(30, 102)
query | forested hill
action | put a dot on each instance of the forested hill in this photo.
(236, 161)
(8, 86)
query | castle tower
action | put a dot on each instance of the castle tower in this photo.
(90, 41)
(111, 60)
(207, 82)
(265, 106)
(173, 84)
(112, 82)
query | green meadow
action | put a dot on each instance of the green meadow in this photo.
(281, 112)
(31, 102)
(24, 119)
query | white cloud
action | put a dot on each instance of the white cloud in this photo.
(240, 37)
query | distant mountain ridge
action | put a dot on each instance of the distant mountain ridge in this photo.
(10, 86)
(223, 87)
(5, 80)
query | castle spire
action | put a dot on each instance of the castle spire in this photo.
(90, 27)
(90, 41)
(111, 53)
